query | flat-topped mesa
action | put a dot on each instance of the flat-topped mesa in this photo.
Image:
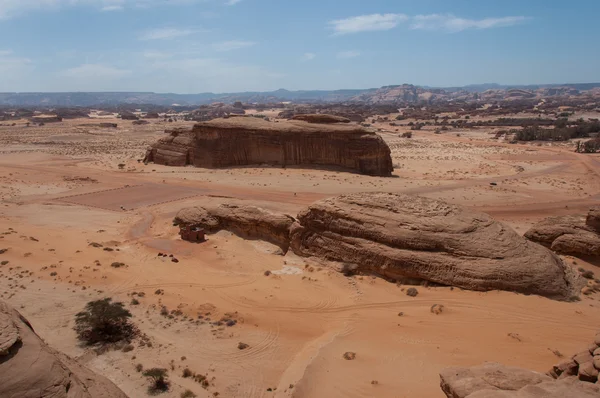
(242, 141)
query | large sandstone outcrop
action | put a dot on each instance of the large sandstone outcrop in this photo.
(569, 234)
(240, 141)
(245, 221)
(31, 369)
(404, 238)
(410, 237)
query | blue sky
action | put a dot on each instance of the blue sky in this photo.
(191, 46)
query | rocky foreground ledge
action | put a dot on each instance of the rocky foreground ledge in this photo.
(31, 369)
(242, 141)
(574, 378)
(405, 239)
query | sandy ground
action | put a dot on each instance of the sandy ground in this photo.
(61, 189)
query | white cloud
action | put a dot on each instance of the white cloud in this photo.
(309, 56)
(348, 54)
(112, 8)
(95, 71)
(233, 45)
(447, 22)
(365, 23)
(4, 53)
(165, 33)
(452, 23)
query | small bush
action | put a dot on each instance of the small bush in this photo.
(412, 292)
(159, 380)
(188, 394)
(117, 265)
(128, 347)
(103, 321)
(187, 373)
(139, 367)
(135, 301)
(587, 274)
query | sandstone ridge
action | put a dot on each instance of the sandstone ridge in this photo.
(406, 239)
(578, 235)
(29, 368)
(242, 141)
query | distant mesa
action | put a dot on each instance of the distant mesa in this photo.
(321, 118)
(403, 238)
(243, 141)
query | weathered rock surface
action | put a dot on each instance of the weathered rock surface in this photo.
(493, 380)
(321, 118)
(406, 237)
(31, 369)
(245, 221)
(463, 382)
(569, 234)
(240, 141)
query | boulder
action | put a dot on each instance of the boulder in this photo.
(587, 372)
(578, 235)
(593, 218)
(245, 221)
(31, 369)
(241, 141)
(404, 237)
(321, 118)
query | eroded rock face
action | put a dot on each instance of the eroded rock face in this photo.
(245, 221)
(578, 235)
(31, 369)
(240, 141)
(408, 237)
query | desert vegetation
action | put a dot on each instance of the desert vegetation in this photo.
(103, 321)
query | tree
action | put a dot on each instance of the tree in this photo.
(159, 380)
(103, 321)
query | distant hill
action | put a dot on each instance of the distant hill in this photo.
(396, 93)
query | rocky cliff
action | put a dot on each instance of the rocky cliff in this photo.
(240, 141)
(31, 369)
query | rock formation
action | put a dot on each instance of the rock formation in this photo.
(239, 141)
(31, 369)
(407, 239)
(321, 118)
(569, 234)
(245, 221)
(576, 377)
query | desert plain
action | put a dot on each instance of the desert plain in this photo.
(76, 198)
